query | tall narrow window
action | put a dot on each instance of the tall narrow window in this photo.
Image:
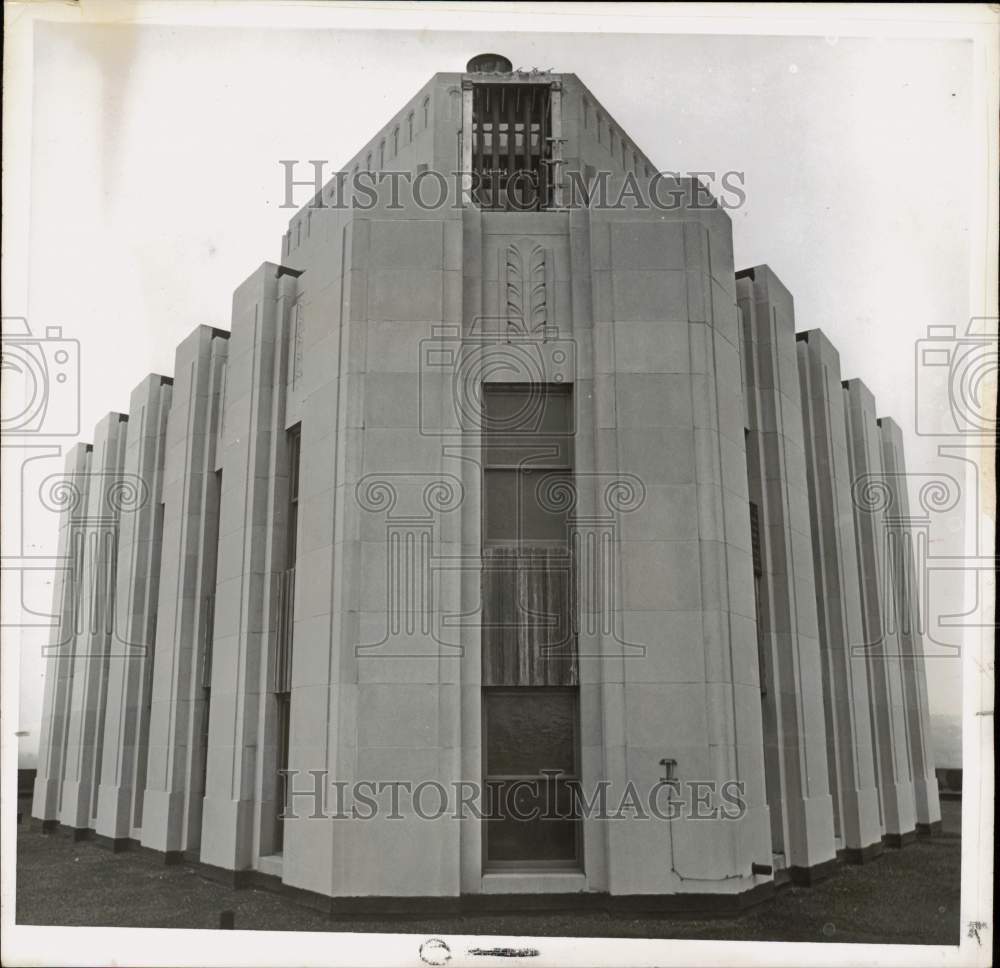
(294, 448)
(409, 127)
(427, 111)
(381, 155)
(586, 113)
(600, 128)
(208, 633)
(395, 141)
(79, 553)
(769, 711)
(103, 623)
(146, 701)
(283, 652)
(758, 572)
(529, 673)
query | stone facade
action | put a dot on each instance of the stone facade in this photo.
(300, 586)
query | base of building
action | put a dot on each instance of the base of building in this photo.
(76, 834)
(932, 829)
(118, 845)
(861, 855)
(423, 906)
(900, 840)
(473, 904)
(115, 844)
(807, 876)
(45, 826)
(223, 875)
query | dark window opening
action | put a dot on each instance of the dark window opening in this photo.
(208, 632)
(292, 536)
(529, 671)
(103, 623)
(285, 634)
(758, 573)
(528, 465)
(770, 723)
(282, 727)
(146, 702)
(532, 778)
(511, 146)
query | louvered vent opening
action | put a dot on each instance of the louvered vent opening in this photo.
(511, 150)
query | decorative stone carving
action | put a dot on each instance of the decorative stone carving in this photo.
(525, 266)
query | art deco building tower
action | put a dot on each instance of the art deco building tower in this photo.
(491, 481)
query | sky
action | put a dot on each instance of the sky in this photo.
(155, 189)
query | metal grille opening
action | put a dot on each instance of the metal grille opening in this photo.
(511, 146)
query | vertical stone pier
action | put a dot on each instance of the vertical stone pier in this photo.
(172, 802)
(795, 727)
(99, 532)
(846, 705)
(126, 725)
(880, 644)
